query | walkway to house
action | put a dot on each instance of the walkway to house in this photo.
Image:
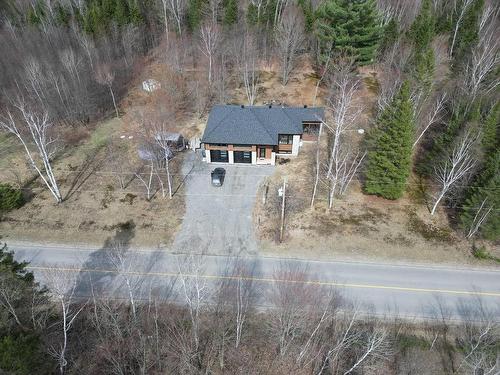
(218, 220)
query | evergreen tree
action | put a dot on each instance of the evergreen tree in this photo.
(62, 15)
(135, 15)
(230, 12)
(421, 33)
(467, 32)
(422, 30)
(348, 26)
(486, 189)
(389, 35)
(194, 14)
(486, 185)
(252, 14)
(121, 13)
(491, 137)
(20, 349)
(10, 198)
(389, 158)
(306, 7)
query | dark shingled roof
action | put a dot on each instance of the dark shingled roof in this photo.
(256, 125)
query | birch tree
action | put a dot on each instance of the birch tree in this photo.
(30, 127)
(62, 286)
(209, 43)
(434, 116)
(484, 60)
(249, 69)
(105, 76)
(195, 291)
(456, 164)
(177, 9)
(289, 36)
(460, 9)
(342, 162)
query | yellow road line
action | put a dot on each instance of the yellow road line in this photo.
(271, 280)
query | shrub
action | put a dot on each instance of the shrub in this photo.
(10, 198)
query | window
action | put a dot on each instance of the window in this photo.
(285, 139)
(218, 144)
(262, 152)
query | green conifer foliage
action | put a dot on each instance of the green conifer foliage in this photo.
(121, 12)
(389, 158)
(350, 27)
(10, 198)
(194, 14)
(62, 15)
(135, 15)
(467, 33)
(230, 12)
(421, 33)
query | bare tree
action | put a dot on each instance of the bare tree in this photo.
(457, 163)
(478, 337)
(249, 69)
(292, 297)
(62, 287)
(460, 9)
(124, 262)
(195, 291)
(209, 44)
(178, 9)
(147, 180)
(373, 343)
(105, 76)
(35, 128)
(342, 163)
(289, 36)
(433, 117)
(482, 213)
(484, 60)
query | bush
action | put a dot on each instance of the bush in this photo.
(10, 198)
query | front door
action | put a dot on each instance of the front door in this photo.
(262, 152)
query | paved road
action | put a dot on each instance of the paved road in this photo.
(388, 288)
(219, 219)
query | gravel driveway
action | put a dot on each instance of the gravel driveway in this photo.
(218, 220)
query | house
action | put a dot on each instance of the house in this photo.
(258, 134)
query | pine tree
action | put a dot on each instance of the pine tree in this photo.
(486, 189)
(194, 14)
(350, 27)
(389, 35)
(135, 15)
(467, 33)
(491, 137)
(21, 351)
(252, 14)
(389, 158)
(121, 13)
(421, 33)
(423, 28)
(307, 9)
(230, 12)
(10, 198)
(62, 16)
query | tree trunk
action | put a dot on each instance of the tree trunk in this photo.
(114, 101)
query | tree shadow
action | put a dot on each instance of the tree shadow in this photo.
(96, 272)
(87, 169)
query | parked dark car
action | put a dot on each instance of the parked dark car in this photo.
(218, 175)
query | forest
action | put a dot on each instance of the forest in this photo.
(192, 326)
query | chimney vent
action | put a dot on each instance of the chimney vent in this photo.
(242, 106)
(270, 106)
(305, 105)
